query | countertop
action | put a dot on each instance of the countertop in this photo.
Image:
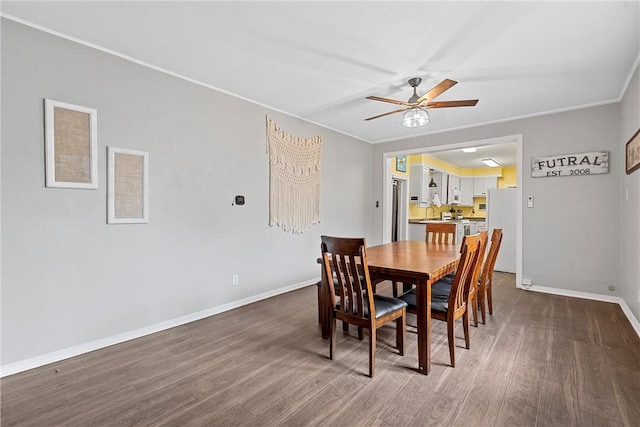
(424, 221)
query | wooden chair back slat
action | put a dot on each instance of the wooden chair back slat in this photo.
(464, 274)
(486, 277)
(490, 263)
(345, 262)
(441, 232)
(475, 276)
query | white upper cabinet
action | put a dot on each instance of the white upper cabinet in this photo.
(467, 189)
(454, 185)
(419, 191)
(483, 184)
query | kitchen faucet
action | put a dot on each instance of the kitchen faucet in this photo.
(432, 212)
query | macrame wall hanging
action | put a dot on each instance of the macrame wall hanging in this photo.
(294, 187)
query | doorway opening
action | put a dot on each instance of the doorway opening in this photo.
(398, 208)
(388, 190)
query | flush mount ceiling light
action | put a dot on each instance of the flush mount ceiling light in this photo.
(469, 150)
(415, 117)
(492, 163)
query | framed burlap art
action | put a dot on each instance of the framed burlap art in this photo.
(632, 156)
(128, 187)
(71, 141)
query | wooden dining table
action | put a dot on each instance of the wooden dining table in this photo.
(409, 261)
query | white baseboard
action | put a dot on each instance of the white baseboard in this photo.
(56, 356)
(627, 311)
(586, 295)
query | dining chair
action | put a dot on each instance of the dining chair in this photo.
(441, 232)
(449, 303)
(436, 232)
(486, 277)
(352, 297)
(447, 281)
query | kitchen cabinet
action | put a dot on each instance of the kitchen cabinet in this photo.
(416, 231)
(419, 191)
(454, 185)
(483, 184)
(466, 187)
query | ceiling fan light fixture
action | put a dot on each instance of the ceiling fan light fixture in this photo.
(415, 117)
(492, 163)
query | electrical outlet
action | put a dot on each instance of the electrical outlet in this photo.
(234, 280)
(526, 283)
(612, 288)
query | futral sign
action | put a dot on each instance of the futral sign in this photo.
(581, 164)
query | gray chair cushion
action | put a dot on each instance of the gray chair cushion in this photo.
(439, 297)
(384, 305)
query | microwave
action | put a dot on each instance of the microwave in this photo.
(482, 206)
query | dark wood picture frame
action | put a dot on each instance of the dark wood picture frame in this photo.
(632, 153)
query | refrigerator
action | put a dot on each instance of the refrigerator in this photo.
(502, 206)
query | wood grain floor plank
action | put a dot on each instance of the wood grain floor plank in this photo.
(540, 360)
(626, 386)
(513, 414)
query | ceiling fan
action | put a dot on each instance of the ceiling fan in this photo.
(416, 105)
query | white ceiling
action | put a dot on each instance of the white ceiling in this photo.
(319, 60)
(504, 153)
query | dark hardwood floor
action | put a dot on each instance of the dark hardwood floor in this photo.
(540, 360)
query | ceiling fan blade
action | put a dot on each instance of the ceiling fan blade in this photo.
(392, 101)
(445, 104)
(386, 114)
(446, 84)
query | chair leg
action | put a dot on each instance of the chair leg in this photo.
(489, 299)
(394, 288)
(345, 326)
(481, 304)
(360, 333)
(474, 308)
(401, 333)
(332, 336)
(319, 302)
(465, 326)
(372, 350)
(452, 342)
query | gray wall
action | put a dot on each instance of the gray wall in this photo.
(68, 278)
(630, 111)
(571, 238)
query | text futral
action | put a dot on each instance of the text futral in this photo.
(580, 164)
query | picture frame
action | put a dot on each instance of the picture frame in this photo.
(128, 186)
(71, 145)
(632, 153)
(401, 163)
